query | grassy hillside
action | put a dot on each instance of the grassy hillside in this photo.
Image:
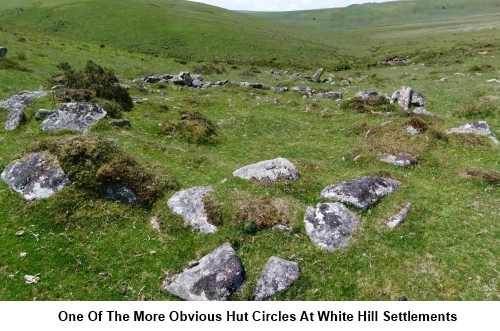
(383, 14)
(88, 248)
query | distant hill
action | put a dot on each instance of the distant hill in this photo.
(383, 14)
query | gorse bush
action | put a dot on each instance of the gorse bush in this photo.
(101, 81)
(93, 162)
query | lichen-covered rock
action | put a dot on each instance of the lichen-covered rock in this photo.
(35, 176)
(270, 170)
(333, 95)
(16, 117)
(365, 95)
(361, 192)
(402, 160)
(480, 127)
(403, 96)
(74, 116)
(279, 89)
(276, 276)
(330, 225)
(399, 217)
(189, 205)
(42, 113)
(213, 278)
(119, 192)
(418, 99)
(16, 101)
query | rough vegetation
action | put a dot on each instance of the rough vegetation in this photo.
(193, 127)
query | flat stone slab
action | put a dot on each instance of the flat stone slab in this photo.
(35, 176)
(330, 225)
(480, 127)
(16, 117)
(399, 217)
(213, 278)
(119, 192)
(74, 116)
(361, 192)
(271, 170)
(401, 160)
(277, 275)
(189, 205)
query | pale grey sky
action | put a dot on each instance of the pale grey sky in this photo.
(283, 5)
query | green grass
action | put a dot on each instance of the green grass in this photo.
(87, 248)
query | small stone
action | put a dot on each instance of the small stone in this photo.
(20, 233)
(271, 170)
(402, 160)
(155, 224)
(3, 51)
(23, 254)
(120, 123)
(281, 227)
(119, 192)
(422, 111)
(399, 217)
(32, 279)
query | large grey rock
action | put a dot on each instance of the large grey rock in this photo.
(365, 95)
(401, 160)
(361, 192)
(276, 276)
(330, 225)
(270, 170)
(403, 96)
(74, 116)
(213, 278)
(16, 117)
(189, 205)
(3, 51)
(183, 78)
(399, 217)
(280, 89)
(480, 127)
(119, 192)
(16, 101)
(317, 75)
(35, 176)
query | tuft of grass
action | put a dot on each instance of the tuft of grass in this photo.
(209, 70)
(93, 162)
(418, 123)
(478, 109)
(491, 177)
(263, 212)
(376, 103)
(193, 127)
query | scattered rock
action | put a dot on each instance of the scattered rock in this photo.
(155, 224)
(23, 254)
(402, 160)
(269, 170)
(330, 225)
(183, 78)
(317, 75)
(214, 277)
(333, 95)
(32, 279)
(3, 51)
(480, 127)
(139, 100)
(399, 217)
(280, 89)
(256, 85)
(120, 123)
(20, 233)
(276, 101)
(35, 176)
(495, 140)
(16, 101)
(417, 99)
(493, 81)
(416, 126)
(119, 192)
(16, 117)
(365, 95)
(42, 113)
(422, 111)
(442, 80)
(74, 116)
(276, 276)
(403, 96)
(189, 205)
(361, 192)
(281, 227)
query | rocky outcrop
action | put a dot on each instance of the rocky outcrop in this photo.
(213, 278)
(361, 192)
(330, 225)
(270, 170)
(35, 176)
(402, 160)
(119, 192)
(189, 205)
(277, 275)
(480, 127)
(74, 116)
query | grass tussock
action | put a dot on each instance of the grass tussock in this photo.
(478, 109)
(213, 210)
(376, 103)
(418, 123)
(193, 127)
(491, 177)
(263, 212)
(209, 70)
(93, 162)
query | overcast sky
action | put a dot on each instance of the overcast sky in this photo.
(283, 5)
